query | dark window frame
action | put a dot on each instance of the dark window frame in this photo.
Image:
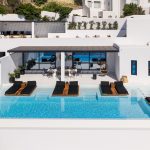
(134, 62)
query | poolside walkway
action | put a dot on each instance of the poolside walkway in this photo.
(84, 80)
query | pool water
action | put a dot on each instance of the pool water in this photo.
(88, 106)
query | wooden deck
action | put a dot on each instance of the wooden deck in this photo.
(113, 89)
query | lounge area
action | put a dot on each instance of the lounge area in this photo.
(20, 88)
(66, 88)
(113, 89)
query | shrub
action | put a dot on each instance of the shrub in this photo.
(3, 9)
(109, 26)
(13, 4)
(98, 26)
(39, 2)
(115, 25)
(91, 25)
(46, 19)
(54, 7)
(29, 11)
(132, 9)
(104, 23)
(72, 25)
(79, 25)
(85, 25)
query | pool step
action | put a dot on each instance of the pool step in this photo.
(42, 95)
(89, 97)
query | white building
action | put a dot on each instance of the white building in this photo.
(110, 8)
(124, 55)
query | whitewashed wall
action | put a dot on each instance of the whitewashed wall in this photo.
(111, 62)
(11, 17)
(8, 65)
(74, 139)
(138, 28)
(88, 34)
(139, 53)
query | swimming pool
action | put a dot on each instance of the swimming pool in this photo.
(88, 106)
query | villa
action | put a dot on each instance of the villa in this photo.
(109, 8)
(122, 52)
(84, 81)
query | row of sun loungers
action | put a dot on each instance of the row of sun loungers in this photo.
(113, 89)
(20, 88)
(66, 89)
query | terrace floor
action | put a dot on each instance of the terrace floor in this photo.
(84, 79)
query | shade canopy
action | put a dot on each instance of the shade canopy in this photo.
(65, 49)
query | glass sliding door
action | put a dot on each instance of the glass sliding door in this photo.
(88, 60)
(47, 60)
(68, 60)
(96, 59)
(31, 60)
(81, 60)
(39, 60)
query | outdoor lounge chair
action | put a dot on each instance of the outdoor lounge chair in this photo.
(73, 88)
(31, 85)
(147, 99)
(105, 88)
(121, 90)
(14, 88)
(59, 88)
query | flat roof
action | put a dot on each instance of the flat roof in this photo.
(65, 49)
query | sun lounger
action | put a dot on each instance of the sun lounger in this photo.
(73, 88)
(105, 88)
(14, 88)
(31, 85)
(59, 88)
(121, 90)
(148, 100)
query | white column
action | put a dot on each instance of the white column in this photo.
(33, 30)
(62, 66)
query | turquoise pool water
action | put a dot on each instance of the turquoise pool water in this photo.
(88, 106)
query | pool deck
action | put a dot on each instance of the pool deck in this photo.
(84, 80)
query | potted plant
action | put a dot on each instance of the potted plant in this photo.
(11, 77)
(22, 70)
(17, 73)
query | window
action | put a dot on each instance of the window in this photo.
(89, 4)
(39, 60)
(97, 4)
(133, 67)
(89, 60)
(149, 68)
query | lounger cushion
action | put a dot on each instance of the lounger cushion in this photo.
(31, 83)
(18, 83)
(106, 90)
(147, 99)
(105, 83)
(74, 83)
(73, 90)
(120, 88)
(58, 90)
(58, 83)
(119, 83)
(13, 89)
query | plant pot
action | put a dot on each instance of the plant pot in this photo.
(12, 79)
(22, 71)
(17, 75)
